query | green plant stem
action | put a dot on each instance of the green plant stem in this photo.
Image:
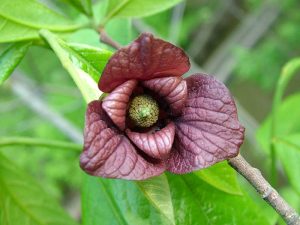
(288, 71)
(10, 141)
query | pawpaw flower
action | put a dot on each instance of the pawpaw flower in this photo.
(153, 120)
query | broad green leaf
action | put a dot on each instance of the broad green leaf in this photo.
(10, 59)
(33, 14)
(136, 8)
(222, 177)
(11, 31)
(288, 152)
(117, 202)
(23, 201)
(196, 202)
(157, 191)
(285, 124)
(75, 64)
(84, 6)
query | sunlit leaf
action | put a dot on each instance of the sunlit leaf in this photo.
(92, 60)
(136, 8)
(10, 59)
(222, 177)
(75, 65)
(23, 201)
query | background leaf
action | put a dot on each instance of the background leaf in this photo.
(11, 31)
(285, 124)
(222, 177)
(22, 201)
(10, 59)
(21, 20)
(288, 152)
(137, 8)
(35, 15)
(84, 6)
(287, 137)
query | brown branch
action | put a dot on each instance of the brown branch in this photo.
(107, 40)
(265, 190)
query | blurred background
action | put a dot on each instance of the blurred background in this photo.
(244, 43)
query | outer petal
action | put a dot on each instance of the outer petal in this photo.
(172, 89)
(115, 104)
(157, 144)
(208, 130)
(144, 59)
(110, 154)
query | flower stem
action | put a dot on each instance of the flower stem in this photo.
(107, 39)
(8, 141)
(265, 190)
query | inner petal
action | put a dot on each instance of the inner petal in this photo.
(116, 103)
(172, 89)
(157, 144)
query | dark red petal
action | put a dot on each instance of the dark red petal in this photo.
(115, 104)
(172, 89)
(144, 59)
(110, 154)
(208, 130)
(157, 144)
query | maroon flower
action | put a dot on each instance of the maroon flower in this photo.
(153, 120)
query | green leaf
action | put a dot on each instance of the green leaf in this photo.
(136, 8)
(285, 124)
(117, 202)
(33, 14)
(222, 177)
(285, 141)
(22, 19)
(288, 152)
(11, 31)
(196, 202)
(10, 59)
(23, 201)
(157, 191)
(76, 65)
(92, 60)
(84, 6)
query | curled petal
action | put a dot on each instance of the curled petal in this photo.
(144, 59)
(115, 104)
(208, 130)
(172, 89)
(157, 144)
(110, 154)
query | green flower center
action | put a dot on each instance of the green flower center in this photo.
(143, 111)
